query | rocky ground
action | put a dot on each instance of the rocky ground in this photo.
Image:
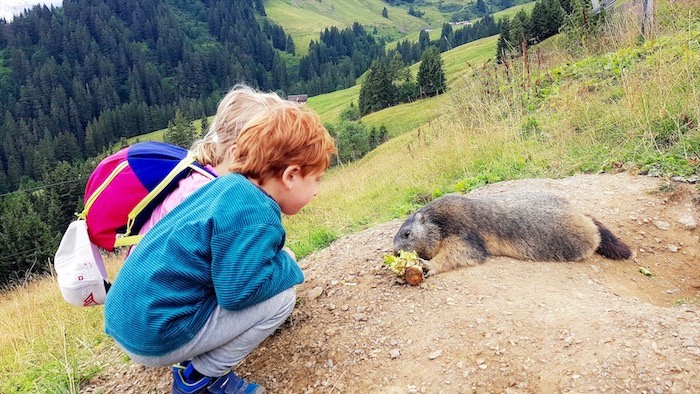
(504, 326)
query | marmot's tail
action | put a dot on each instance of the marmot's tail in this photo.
(610, 246)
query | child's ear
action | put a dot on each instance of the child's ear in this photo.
(289, 174)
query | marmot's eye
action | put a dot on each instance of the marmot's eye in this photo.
(406, 233)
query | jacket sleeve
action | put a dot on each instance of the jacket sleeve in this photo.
(249, 266)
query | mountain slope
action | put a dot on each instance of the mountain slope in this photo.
(305, 19)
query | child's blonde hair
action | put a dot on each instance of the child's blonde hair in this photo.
(285, 134)
(239, 105)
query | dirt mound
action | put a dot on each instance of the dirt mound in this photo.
(503, 326)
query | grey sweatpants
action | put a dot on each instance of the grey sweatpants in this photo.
(228, 336)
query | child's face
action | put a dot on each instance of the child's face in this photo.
(302, 189)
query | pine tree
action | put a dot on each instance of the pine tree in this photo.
(180, 131)
(385, 13)
(377, 91)
(431, 75)
(24, 237)
(504, 41)
(481, 8)
(519, 31)
(556, 15)
(289, 48)
(446, 37)
(423, 40)
(353, 141)
(373, 138)
(350, 113)
(382, 135)
(204, 125)
(539, 19)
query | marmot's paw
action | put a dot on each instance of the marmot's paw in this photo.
(428, 268)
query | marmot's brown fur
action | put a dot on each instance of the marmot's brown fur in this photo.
(455, 231)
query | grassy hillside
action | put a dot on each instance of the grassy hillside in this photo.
(305, 19)
(408, 116)
(617, 103)
(623, 111)
(435, 33)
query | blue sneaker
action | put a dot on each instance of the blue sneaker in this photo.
(227, 384)
(232, 384)
(182, 383)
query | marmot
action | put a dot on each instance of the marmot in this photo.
(455, 231)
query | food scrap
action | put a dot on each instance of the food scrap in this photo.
(406, 264)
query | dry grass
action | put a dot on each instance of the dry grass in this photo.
(49, 345)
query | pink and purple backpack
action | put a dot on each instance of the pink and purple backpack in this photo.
(125, 187)
(120, 196)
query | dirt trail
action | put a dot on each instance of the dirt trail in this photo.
(504, 326)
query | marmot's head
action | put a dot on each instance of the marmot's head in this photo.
(418, 234)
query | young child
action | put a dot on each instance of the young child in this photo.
(216, 149)
(212, 279)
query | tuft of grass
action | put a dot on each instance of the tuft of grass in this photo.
(686, 301)
(315, 239)
(48, 345)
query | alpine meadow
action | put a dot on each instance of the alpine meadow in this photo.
(423, 98)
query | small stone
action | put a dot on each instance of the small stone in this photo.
(359, 317)
(394, 353)
(688, 222)
(595, 268)
(435, 354)
(314, 293)
(661, 225)
(672, 248)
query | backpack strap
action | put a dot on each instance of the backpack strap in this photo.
(88, 204)
(188, 162)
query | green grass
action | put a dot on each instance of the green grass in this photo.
(510, 12)
(437, 28)
(52, 347)
(158, 134)
(686, 301)
(305, 19)
(408, 116)
(329, 105)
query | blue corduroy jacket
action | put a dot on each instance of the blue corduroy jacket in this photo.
(222, 245)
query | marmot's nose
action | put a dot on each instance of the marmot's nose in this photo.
(396, 252)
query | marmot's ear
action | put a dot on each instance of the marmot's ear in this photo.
(420, 217)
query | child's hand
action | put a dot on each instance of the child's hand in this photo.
(289, 251)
